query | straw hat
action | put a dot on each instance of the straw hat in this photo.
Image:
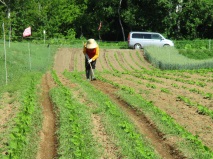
(91, 44)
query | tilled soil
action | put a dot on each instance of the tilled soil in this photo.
(131, 60)
(48, 143)
(7, 113)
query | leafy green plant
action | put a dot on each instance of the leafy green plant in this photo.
(208, 96)
(186, 100)
(175, 85)
(117, 123)
(75, 130)
(165, 90)
(151, 85)
(23, 122)
(165, 122)
(195, 90)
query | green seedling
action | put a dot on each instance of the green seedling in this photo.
(165, 90)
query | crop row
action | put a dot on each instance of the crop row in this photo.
(163, 121)
(25, 125)
(74, 130)
(162, 77)
(129, 141)
(162, 86)
(201, 109)
(182, 79)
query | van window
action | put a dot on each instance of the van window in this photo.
(136, 35)
(146, 36)
(156, 36)
(141, 36)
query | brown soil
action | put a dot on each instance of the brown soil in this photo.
(143, 124)
(8, 110)
(128, 60)
(124, 60)
(109, 149)
(48, 143)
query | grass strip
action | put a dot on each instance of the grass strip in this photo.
(131, 143)
(169, 59)
(24, 58)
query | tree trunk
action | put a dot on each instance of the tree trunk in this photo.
(120, 20)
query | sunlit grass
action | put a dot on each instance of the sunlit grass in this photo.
(23, 58)
(168, 58)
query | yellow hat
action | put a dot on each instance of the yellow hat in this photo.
(91, 44)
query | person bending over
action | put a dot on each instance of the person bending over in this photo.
(91, 52)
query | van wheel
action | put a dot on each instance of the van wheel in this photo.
(137, 46)
(166, 45)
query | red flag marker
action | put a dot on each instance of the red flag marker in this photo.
(27, 32)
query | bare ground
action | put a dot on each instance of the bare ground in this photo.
(7, 113)
(48, 143)
(130, 60)
(73, 60)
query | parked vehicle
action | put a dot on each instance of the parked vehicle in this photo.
(139, 40)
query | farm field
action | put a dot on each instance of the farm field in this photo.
(132, 110)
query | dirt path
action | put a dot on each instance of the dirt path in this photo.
(48, 143)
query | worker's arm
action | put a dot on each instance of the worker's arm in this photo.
(96, 54)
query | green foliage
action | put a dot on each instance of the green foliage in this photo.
(200, 108)
(165, 90)
(131, 144)
(74, 133)
(77, 18)
(18, 139)
(197, 53)
(168, 58)
(150, 86)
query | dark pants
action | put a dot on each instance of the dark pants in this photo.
(87, 67)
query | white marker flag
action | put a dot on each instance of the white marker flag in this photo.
(27, 32)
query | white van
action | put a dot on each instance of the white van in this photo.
(138, 40)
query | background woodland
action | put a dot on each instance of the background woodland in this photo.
(71, 19)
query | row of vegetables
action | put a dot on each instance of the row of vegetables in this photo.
(75, 138)
(165, 122)
(129, 142)
(180, 79)
(26, 124)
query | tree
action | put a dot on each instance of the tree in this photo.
(196, 18)
(119, 16)
(176, 19)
